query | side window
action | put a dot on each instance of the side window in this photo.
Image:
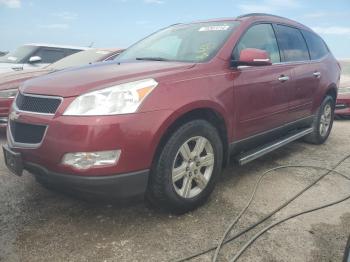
(49, 56)
(317, 47)
(292, 44)
(261, 37)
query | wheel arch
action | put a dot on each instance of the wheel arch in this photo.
(205, 110)
(332, 91)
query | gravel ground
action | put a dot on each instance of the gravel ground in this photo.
(41, 225)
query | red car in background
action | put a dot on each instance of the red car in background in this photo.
(9, 82)
(342, 108)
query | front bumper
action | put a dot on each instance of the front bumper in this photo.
(126, 185)
(342, 106)
(135, 135)
(343, 112)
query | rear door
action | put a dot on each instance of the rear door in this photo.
(305, 81)
(261, 100)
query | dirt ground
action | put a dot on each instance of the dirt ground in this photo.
(40, 225)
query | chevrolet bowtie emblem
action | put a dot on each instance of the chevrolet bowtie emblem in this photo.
(14, 115)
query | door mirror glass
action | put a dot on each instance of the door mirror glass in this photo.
(34, 59)
(253, 57)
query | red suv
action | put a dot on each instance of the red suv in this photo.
(168, 114)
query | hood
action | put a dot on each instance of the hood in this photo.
(15, 78)
(73, 82)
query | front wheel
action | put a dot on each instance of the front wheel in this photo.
(185, 172)
(323, 122)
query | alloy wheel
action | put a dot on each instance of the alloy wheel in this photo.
(193, 167)
(326, 119)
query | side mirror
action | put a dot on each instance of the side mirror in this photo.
(253, 57)
(34, 59)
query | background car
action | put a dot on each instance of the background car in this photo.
(33, 56)
(2, 53)
(9, 82)
(342, 108)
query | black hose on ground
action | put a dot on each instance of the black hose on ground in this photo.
(286, 203)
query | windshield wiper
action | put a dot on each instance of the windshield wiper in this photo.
(152, 58)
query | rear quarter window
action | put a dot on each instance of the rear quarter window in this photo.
(292, 44)
(317, 47)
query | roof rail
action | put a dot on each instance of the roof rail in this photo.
(59, 46)
(258, 14)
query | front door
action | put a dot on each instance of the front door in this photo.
(261, 92)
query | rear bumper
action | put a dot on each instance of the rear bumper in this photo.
(120, 186)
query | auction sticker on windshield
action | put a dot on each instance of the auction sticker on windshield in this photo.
(214, 28)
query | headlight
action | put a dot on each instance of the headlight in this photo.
(119, 99)
(9, 93)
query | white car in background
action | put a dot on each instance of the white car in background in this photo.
(35, 56)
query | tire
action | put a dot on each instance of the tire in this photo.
(347, 251)
(182, 179)
(318, 137)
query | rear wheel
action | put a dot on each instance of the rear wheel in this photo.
(323, 122)
(186, 170)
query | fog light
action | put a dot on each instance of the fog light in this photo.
(86, 160)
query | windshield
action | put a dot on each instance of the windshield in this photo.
(18, 55)
(197, 42)
(80, 58)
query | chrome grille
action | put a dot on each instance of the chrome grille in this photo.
(37, 104)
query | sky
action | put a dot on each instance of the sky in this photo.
(119, 23)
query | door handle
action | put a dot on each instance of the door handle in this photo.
(317, 74)
(283, 78)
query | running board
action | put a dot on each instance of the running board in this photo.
(251, 155)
